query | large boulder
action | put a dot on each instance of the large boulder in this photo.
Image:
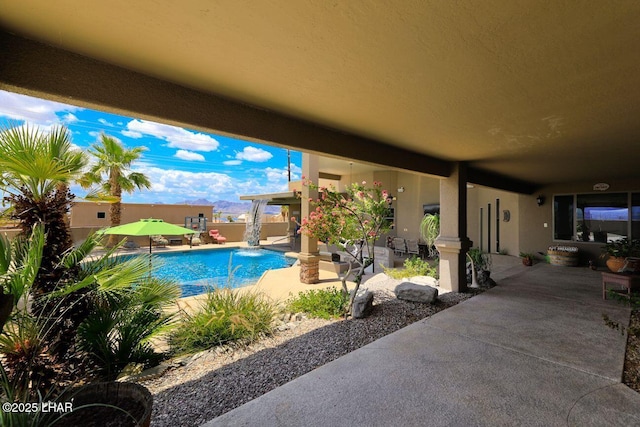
(362, 303)
(409, 291)
(424, 280)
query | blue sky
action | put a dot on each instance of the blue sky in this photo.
(182, 164)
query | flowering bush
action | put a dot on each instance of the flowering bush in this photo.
(351, 220)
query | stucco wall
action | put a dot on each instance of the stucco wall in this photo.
(418, 190)
(479, 197)
(535, 237)
(84, 214)
(234, 232)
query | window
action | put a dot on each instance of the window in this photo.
(635, 215)
(602, 217)
(598, 218)
(102, 215)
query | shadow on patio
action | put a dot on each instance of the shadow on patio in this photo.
(532, 351)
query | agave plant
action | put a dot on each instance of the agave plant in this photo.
(429, 231)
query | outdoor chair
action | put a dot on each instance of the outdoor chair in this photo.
(159, 241)
(399, 246)
(216, 237)
(412, 247)
(130, 244)
(194, 240)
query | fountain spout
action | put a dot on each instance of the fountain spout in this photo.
(254, 223)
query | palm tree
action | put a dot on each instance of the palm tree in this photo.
(114, 161)
(35, 170)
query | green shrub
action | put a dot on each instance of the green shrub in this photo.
(413, 266)
(481, 260)
(322, 303)
(226, 316)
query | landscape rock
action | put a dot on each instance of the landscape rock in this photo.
(424, 280)
(362, 303)
(409, 291)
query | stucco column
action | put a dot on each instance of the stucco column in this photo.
(453, 242)
(309, 256)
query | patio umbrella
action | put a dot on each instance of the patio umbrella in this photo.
(148, 227)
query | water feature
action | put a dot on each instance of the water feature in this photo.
(254, 222)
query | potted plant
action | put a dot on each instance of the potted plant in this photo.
(618, 250)
(527, 258)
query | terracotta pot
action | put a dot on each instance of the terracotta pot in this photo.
(615, 264)
(527, 261)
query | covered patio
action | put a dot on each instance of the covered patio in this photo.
(534, 350)
(535, 98)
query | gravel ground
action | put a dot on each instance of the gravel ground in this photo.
(216, 381)
(631, 375)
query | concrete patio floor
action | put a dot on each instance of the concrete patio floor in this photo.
(534, 350)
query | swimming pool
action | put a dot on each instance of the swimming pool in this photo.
(195, 270)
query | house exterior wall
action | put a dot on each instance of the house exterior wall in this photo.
(534, 237)
(480, 197)
(84, 214)
(418, 190)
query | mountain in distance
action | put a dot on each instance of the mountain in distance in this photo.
(227, 207)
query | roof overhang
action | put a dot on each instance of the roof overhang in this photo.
(285, 198)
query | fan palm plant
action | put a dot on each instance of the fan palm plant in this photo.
(112, 173)
(126, 308)
(35, 170)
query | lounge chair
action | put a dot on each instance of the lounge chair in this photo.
(159, 241)
(399, 246)
(216, 237)
(412, 247)
(130, 244)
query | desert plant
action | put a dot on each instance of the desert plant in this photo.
(321, 303)
(429, 231)
(527, 258)
(36, 169)
(413, 266)
(227, 315)
(481, 260)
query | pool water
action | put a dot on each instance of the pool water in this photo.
(197, 270)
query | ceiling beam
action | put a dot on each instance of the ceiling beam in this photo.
(36, 69)
(501, 182)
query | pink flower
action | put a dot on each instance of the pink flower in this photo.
(304, 177)
(364, 182)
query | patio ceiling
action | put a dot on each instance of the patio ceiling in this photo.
(540, 92)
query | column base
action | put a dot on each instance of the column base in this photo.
(309, 268)
(453, 262)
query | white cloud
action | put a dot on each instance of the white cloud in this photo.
(36, 111)
(276, 175)
(171, 186)
(189, 155)
(175, 185)
(175, 136)
(94, 134)
(254, 154)
(232, 162)
(69, 118)
(105, 122)
(132, 134)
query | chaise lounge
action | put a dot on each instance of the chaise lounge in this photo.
(216, 237)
